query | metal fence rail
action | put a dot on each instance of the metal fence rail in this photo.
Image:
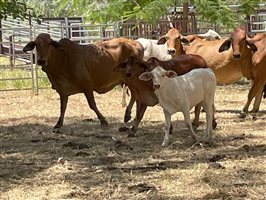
(16, 66)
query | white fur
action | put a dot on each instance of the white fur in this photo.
(181, 93)
(152, 49)
(211, 35)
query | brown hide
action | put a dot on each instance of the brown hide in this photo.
(77, 68)
(258, 70)
(74, 68)
(226, 68)
(173, 38)
(180, 64)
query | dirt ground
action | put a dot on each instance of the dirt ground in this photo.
(83, 161)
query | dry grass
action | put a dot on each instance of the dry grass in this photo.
(39, 164)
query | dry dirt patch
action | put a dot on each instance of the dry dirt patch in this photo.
(85, 162)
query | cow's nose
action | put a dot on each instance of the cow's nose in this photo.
(128, 74)
(156, 86)
(237, 56)
(171, 51)
(40, 62)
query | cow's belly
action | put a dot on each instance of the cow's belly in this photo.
(228, 75)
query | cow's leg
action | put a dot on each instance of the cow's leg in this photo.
(127, 115)
(257, 101)
(168, 125)
(92, 104)
(214, 123)
(252, 93)
(141, 108)
(124, 93)
(195, 122)
(63, 106)
(188, 123)
(208, 107)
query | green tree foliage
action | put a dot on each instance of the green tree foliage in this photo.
(46, 8)
(215, 11)
(16, 9)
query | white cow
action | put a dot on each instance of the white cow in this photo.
(181, 93)
(152, 49)
(211, 35)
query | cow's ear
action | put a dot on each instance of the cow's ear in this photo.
(225, 46)
(252, 46)
(29, 47)
(184, 40)
(120, 67)
(55, 44)
(143, 65)
(146, 76)
(170, 74)
(162, 40)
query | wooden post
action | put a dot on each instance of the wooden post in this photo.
(185, 18)
(11, 51)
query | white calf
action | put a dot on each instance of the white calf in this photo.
(181, 93)
(152, 49)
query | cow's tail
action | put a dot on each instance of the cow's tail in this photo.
(264, 91)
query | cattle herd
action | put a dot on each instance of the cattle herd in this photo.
(178, 72)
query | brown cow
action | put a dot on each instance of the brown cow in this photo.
(173, 39)
(144, 92)
(243, 46)
(73, 68)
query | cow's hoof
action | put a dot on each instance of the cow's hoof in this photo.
(131, 134)
(127, 118)
(104, 123)
(123, 129)
(242, 115)
(56, 130)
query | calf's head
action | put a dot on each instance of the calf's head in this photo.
(156, 75)
(173, 40)
(131, 66)
(43, 42)
(239, 41)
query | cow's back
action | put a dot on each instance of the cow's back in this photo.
(82, 68)
(190, 88)
(225, 68)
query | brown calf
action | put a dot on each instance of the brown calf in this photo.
(143, 91)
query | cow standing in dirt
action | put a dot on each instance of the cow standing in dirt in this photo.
(73, 68)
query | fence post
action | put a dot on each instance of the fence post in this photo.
(11, 51)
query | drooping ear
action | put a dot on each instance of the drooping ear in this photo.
(145, 76)
(170, 74)
(225, 46)
(120, 67)
(252, 46)
(184, 40)
(55, 44)
(143, 65)
(29, 47)
(162, 40)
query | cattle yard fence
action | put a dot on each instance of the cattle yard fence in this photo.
(19, 71)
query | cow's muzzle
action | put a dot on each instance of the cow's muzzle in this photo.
(171, 51)
(128, 74)
(156, 86)
(237, 56)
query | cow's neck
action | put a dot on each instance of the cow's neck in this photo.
(246, 62)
